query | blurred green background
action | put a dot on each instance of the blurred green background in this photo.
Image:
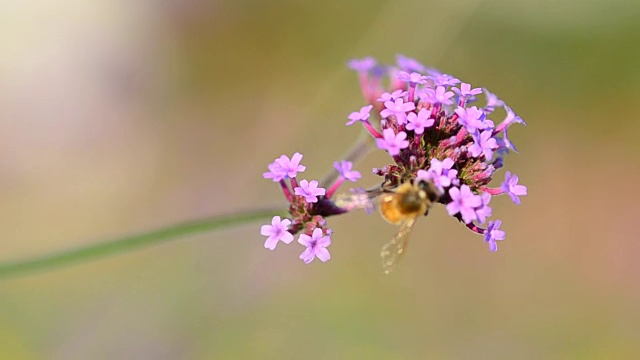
(122, 116)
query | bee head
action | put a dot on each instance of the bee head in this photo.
(429, 189)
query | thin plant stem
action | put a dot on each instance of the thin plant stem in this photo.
(131, 242)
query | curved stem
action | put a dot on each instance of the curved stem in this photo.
(131, 242)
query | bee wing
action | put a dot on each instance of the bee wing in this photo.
(394, 249)
(359, 200)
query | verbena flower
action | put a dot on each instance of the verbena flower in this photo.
(275, 232)
(431, 132)
(309, 190)
(316, 246)
(491, 234)
(393, 142)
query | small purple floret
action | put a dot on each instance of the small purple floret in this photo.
(393, 96)
(275, 232)
(466, 91)
(443, 79)
(316, 246)
(362, 65)
(417, 123)
(440, 173)
(473, 119)
(361, 115)
(344, 169)
(491, 234)
(409, 64)
(398, 108)
(310, 190)
(413, 78)
(484, 211)
(393, 142)
(464, 202)
(484, 144)
(510, 187)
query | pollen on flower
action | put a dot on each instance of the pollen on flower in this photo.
(437, 129)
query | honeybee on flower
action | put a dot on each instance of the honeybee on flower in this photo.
(445, 149)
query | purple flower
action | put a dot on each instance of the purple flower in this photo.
(398, 108)
(492, 101)
(276, 173)
(409, 64)
(443, 79)
(417, 123)
(310, 190)
(393, 96)
(463, 201)
(291, 167)
(438, 96)
(484, 211)
(473, 119)
(344, 169)
(440, 173)
(491, 234)
(362, 65)
(465, 90)
(413, 78)
(316, 246)
(361, 115)
(483, 144)
(504, 144)
(512, 117)
(275, 232)
(511, 187)
(392, 142)
(284, 167)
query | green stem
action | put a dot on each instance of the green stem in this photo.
(131, 242)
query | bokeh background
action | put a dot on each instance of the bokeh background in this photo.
(118, 117)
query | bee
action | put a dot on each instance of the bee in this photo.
(401, 205)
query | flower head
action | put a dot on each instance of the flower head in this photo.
(361, 115)
(432, 134)
(511, 187)
(316, 246)
(393, 142)
(344, 169)
(491, 234)
(275, 232)
(309, 190)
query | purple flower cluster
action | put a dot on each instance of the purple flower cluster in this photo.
(309, 205)
(441, 136)
(433, 129)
